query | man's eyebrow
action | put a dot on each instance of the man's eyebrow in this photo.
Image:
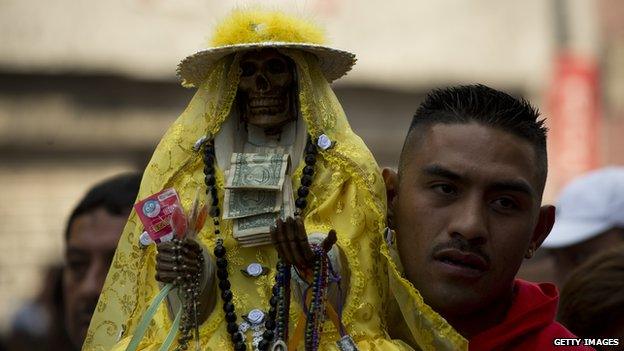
(513, 185)
(503, 185)
(439, 171)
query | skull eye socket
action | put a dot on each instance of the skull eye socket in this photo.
(276, 66)
(247, 69)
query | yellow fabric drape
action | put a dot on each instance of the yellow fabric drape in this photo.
(347, 195)
(413, 317)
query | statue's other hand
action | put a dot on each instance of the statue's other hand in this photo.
(291, 242)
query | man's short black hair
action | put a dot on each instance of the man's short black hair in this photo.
(486, 106)
(116, 195)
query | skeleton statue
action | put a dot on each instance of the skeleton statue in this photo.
(263, 101)
(266, 98)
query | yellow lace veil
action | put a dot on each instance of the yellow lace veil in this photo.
(347, 194)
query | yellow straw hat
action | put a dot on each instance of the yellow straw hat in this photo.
(246, 30)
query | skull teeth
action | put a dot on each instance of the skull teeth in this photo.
(266, 110)
(266, 102)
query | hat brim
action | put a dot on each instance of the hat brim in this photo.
(567, 232)
(334, 63)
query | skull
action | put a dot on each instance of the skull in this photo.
(265, 89)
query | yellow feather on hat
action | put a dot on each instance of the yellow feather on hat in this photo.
(257, 26)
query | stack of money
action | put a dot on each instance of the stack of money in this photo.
(257, 192)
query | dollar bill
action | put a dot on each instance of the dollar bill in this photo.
(262, 237)
(254, 243)
(288, 207)
(258, 224)
(239, 203)
(255, 230)
(257, 171)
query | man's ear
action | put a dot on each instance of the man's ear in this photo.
(391, 180)
(544, 225)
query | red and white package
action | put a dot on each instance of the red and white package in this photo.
(156, 212)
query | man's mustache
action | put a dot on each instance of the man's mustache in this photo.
(461, 244)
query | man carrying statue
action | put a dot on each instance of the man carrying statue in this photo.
(289, 256)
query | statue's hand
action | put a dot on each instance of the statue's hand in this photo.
(291, 242)
(178, 260)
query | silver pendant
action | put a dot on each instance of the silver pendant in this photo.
(255, 270)
(255, 316)
(346, 343)
(198, 144)
(279, 345)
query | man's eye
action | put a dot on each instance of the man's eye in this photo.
(445, 189)
(505, 203)
(77, 268)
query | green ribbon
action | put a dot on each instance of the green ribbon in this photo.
(172, 332)
(147, 318)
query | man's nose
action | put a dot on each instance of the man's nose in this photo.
(262, 83)
(470, 220)
(91, 285)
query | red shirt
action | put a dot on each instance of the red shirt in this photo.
(530, 323)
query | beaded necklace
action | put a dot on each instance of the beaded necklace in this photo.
(277, 322)
(189, 291)
(314, 321)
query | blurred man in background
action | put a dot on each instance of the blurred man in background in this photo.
(589, 219)
(92, 233)
(592, 299)
(57, 319)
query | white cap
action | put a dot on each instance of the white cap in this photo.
(588, 206)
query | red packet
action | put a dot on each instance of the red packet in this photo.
(156, 213)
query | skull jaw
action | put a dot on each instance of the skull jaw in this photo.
(271, 123)
(271, 118)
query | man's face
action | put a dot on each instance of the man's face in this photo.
(265, 88)
(465, 211)
(91, 245)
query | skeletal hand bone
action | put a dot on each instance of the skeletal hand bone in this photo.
(178, 260)
(291, 242)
